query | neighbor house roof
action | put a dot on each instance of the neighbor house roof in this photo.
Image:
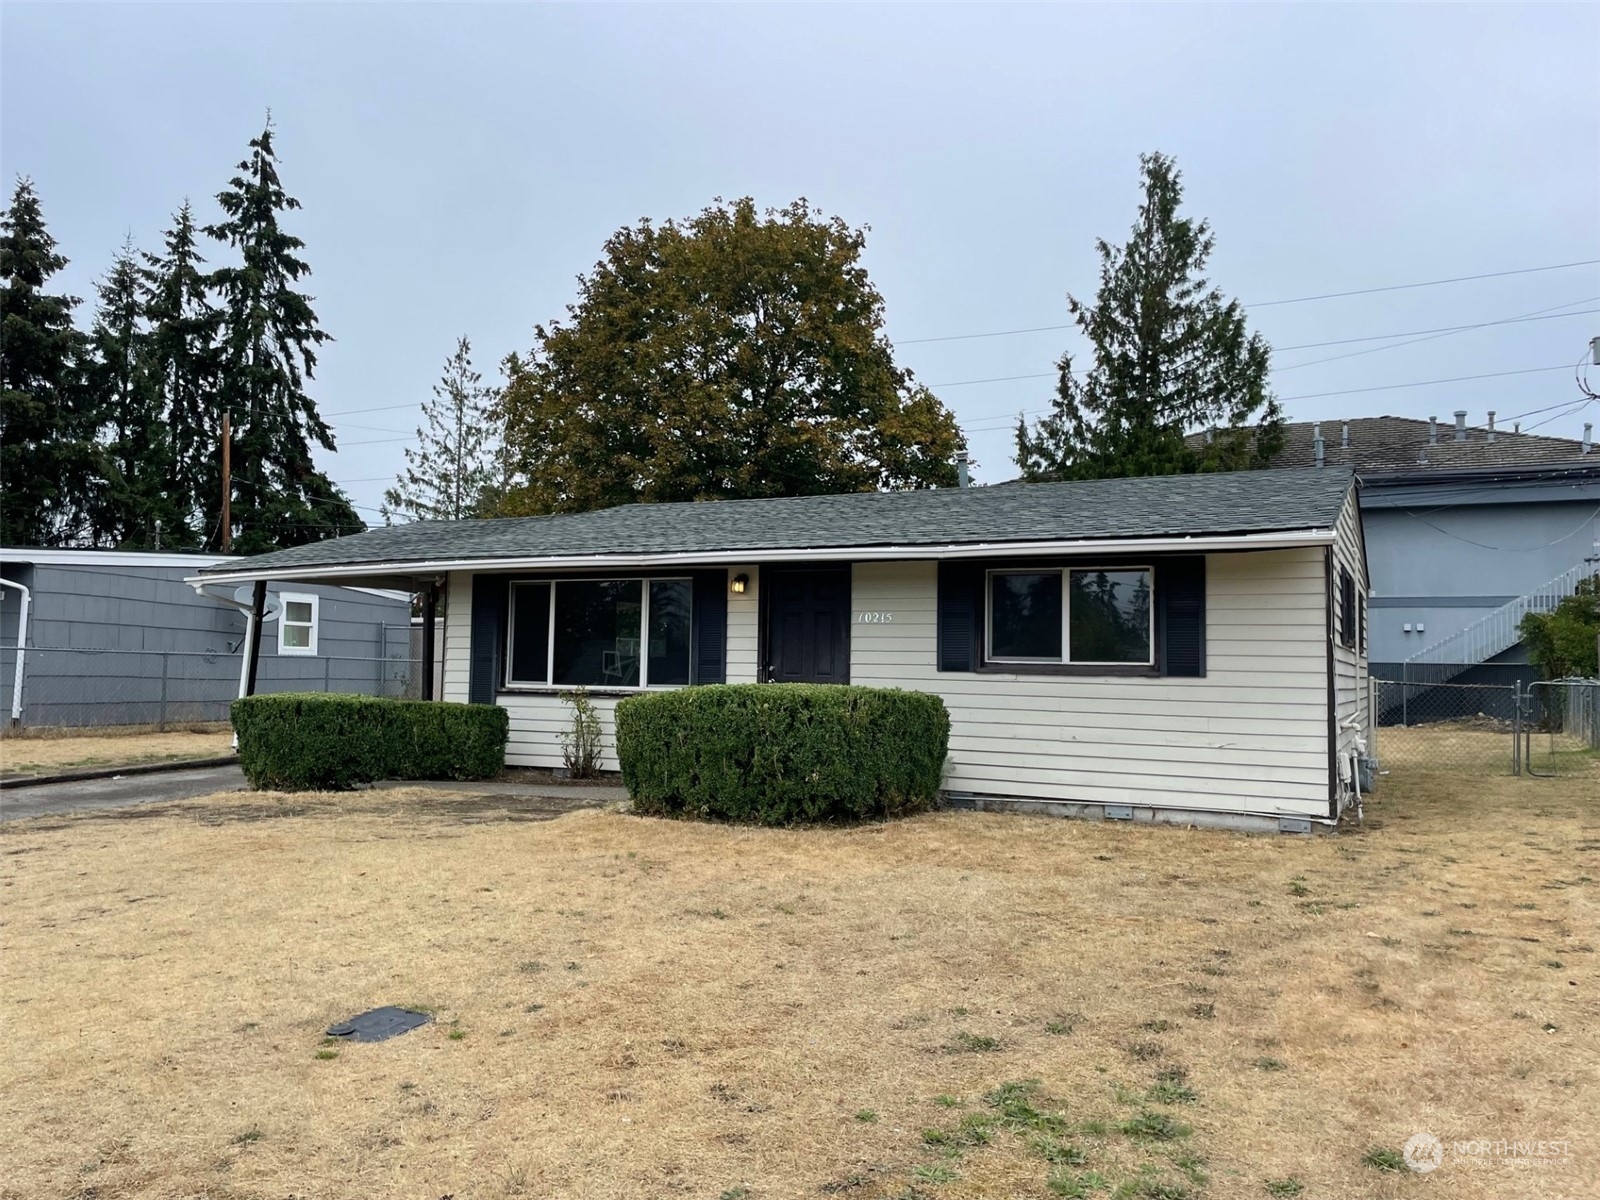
(1377, 444)
(1250, 505)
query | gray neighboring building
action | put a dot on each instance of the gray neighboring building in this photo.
(118, 638)
(1467, 526)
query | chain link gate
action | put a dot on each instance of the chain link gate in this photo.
(1558, 727)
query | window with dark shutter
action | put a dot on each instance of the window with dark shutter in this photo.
(488, 637)
(1181, 602)
(1347, 609)
(710, 626)
(960, 615)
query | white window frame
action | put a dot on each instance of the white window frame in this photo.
(1066, 658)
(549, 684)
(284, 600)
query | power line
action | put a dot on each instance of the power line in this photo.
(1543, 314)
(1387, 387)
(1397, 287)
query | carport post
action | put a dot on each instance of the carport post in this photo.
(258, 608)
(430, 609)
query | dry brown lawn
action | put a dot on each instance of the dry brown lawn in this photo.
(640, 1008)
(34, 755)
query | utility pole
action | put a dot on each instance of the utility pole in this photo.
(227, 483)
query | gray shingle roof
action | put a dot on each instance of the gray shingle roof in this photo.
(1401, 444)
(1168, 506)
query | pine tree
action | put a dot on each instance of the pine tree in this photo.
(451, 474)
(181, 357)
(268, 341)
(1171, 358)
(134, 506)
(48, 463)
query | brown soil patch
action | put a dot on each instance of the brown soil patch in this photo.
(629, 1007)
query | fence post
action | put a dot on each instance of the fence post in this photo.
(1516, 730)
(161, 714)
(1405, 695)
(326, 663)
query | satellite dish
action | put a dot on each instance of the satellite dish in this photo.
(245, 597)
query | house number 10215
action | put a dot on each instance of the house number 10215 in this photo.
(877, 618)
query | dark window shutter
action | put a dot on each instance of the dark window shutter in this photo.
(710, 652)
(1361, 614)
(1181, 601)
(960, 616)
(489, 594)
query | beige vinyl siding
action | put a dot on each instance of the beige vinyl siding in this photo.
(744, 629)
(1251, 736)
(457, 636)
(1350, 665)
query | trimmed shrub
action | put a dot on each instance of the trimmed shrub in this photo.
(782, 753)
(309, 741)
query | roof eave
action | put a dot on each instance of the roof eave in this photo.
(1193, 543)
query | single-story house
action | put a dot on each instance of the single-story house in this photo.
(1179, 648)
(116, 637)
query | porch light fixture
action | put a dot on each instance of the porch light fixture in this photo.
(739, 584)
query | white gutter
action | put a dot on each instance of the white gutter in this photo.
(22, 648)
(1180, 545)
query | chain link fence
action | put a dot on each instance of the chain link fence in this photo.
(1560, 729)
(1465, 729)
(1445, 728)
(83, 688)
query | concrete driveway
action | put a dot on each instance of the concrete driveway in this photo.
(51, 799)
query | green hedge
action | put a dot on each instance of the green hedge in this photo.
(780, 754)
(301, 741)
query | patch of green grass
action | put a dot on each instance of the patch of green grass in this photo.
(530, 966)
(866, 1116)
(1159, 1026)
(1271, 1064)
(1297, 886)
(532, 1008)
(1062, 1154)
(971, 1043)
(456, 1035)
(1146, 1051)
(1057, 1026)
(1017, 1111)
(947, 1101)
(1203, 1012)
(935, 1173)
(1154, 1127)
(244, 1138)
(735, 1193)
(1077, 1185)
(1383, 1158)
(958, 1011)
(1191, 1164)
(327, 1054)
(1285, 1188)
(1169, 1091)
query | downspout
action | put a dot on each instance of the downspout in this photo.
(22, 648)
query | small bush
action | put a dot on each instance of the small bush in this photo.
(580, 746)
(298, 742)
(782, 754)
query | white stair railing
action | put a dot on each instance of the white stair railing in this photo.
(1496, 632)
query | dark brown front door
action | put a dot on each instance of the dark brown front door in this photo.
(808, 625)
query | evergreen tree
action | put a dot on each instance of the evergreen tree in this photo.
(1171, 357)
(451, 474)
(268, 341)
(48, 463)
(181, 364)
(134, 507)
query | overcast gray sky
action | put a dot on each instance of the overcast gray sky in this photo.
(459, 165)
